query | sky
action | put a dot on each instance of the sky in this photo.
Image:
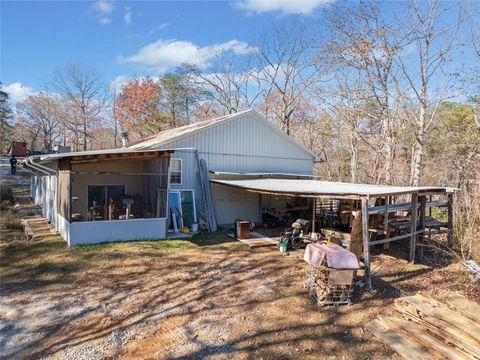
(122, 39)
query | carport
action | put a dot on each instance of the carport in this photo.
(415, 200)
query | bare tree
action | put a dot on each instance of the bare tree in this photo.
(425, 71)
(83, 90)
(41, 115)
(285, 70)
(362, 43)
(227, 83)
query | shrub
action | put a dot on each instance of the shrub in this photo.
(12, 222)
(6, 194)
(5, 205)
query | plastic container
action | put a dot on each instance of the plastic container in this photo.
(283, 247)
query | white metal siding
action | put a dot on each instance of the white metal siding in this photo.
(247, 144)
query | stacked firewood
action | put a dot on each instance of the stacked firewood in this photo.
(323, 291)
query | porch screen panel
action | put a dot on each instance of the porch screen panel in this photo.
(157, 187)
(63, 194)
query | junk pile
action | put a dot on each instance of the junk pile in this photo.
(330, 273)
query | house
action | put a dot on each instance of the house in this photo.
(151, 188)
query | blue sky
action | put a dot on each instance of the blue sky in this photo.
(122, 39)
(38, 36)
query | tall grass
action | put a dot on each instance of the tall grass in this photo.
(467, 221)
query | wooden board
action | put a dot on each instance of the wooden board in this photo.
(403, 345)
(431, 329)
(421, 310)
(435, 346)
(465, 307)
(256, 240)
(430, 309)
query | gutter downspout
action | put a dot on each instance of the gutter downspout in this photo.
(43, 169)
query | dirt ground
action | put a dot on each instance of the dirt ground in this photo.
(211, 298)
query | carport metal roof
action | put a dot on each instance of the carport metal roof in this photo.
(316, 188)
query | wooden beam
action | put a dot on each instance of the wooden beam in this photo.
(403, 207)
(366, 244)
(413, 227)
(395, 238)
(423, 201)
(450, 220)
(116, 173)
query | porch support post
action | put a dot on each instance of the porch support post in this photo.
(421, 237)
(413, 227)
(366, 244)
(450, 220)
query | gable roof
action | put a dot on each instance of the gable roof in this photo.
(167, 136)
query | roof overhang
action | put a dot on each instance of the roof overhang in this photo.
(102, 155)
(259, 174)
(316, 188)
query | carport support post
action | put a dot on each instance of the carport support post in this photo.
(421, 237)
(450, 220)
(413, 227)
(366, 244)
(314, 205)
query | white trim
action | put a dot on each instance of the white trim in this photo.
(181, 171)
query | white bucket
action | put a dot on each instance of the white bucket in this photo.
(194, 227)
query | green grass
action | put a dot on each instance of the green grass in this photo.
(49, 261)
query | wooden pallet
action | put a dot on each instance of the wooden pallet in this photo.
(256, 240)
(427, 329)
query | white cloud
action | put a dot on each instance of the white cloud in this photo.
(159, 27)
(163, 54)
(105, 20)
(118, 82)
(18, 92)
(127, 17)
(304, 7)
(103, 7)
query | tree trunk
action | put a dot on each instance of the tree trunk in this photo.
(353, 156)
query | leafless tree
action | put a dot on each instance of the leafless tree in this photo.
(425, 70)
(285, 71)
(82, 88)
(41, 115)
(362, 43)
(231, 85)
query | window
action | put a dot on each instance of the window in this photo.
(176, 171)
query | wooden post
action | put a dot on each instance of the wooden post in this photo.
(314, 203)
(386, 246)
(423, 202)
(413, 227)
(450, 220)
(366, 244)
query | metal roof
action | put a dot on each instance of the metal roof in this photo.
(316, 188)
(118, 151)
(270, 174)
(167, 136)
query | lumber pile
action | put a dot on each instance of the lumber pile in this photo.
(427, 329)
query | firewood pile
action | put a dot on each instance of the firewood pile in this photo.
(326, 291)
(330, 273)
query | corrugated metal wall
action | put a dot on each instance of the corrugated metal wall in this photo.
(245, 144)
